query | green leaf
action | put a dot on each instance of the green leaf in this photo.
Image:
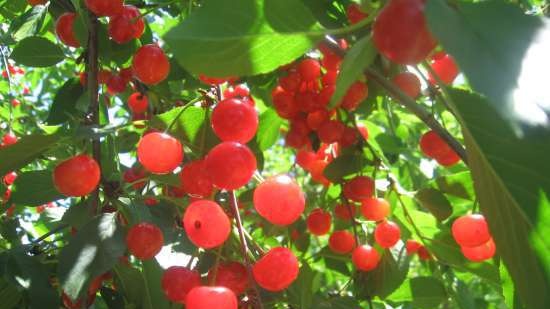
(27, 149)
(360, 56)
(131, 284)
(423, 292)
(28, 24)
(268, 129)
(65, 102)
(9, 294)
(91, 252)
(459, 185)
(37, 52)
(78, 215)
(306, 285)
(512, 181)
(339, 302)
(343, 166)
(243, 37)
(505, 38)
(34, 188)
(154, 297)
(436, 202)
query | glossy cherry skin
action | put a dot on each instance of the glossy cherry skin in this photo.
(195, 179)
(355, 14)
(449, 158)
(365, 258)
(105, 7)
(210, 297)
(432, 145)
(159, 153)
(206, 224)
(349, 137)
(150, 64)
(400, 32)
(239, 92)
(116, 84)
(341, 242)
(471, 230)
(317, 170)
(331, 131)
(36, 2)
(9, 178)
(177, 281)
(304, 158)
(279, 200)
(375, 209)
(77, 176)
(284, 103)
(138, 103)
(343, 212)
(309, 70)
(356, 94)
(64, 29)
(276, 270)
(318, 222)
(387, 234)
(412, 246)
(315, 119)
(144, 240)
(359, 188)
(408, 83)
(234, 120)
(480, 253)
(232, 275)
(445, 68)
(126, 26)
(230, 165)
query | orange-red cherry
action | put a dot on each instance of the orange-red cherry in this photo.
(37, 2)
(127, 25)
(206, 224)
(480, 253)
(279, 200)
(318, 222)
(230, 165)
(375, 209)
(232, 275)
(138, 103)
(444, 67)
(210, 297)
(144, 240)
(64, 29)
(365, 258)
(331, 131)
(408, 83)
(234, 120)
(77, 176)
(341, 242)
(276, 270)
(159, 153)
(195, 179)
(309, 70)
(343, 212)
(150, 64)
(356, 94)
(177, 281)
(471, 230)
(355, 14)
(387, 234)
(359, 188)
(105, 7)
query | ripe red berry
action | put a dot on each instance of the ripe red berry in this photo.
(138, 103)
(324, 97)
(209, 297)
(230, 165)
(317, 118)
(304, 158)
(375, 209)
(480, 253)
(408, 83)
(356, 94)
(64, 29)
(177, 281)
(471, 230)
(342, 212)
(116, 84)
(234, 120)
(355, 14)
(239, 91)
(331, 131)
(341, 242)
(232, 275)
(9, 178)
(317, 170)
(159, 153)
(445, 68)
(150, 64)
(105, 7)
(77, 176)
(318, 222)
(195, 179)
(206, 224)
(309, 70)
(279, 200)
(36, 2)
(349, 138)
(449, 158)
(291, 82)
(400, 32)
(433, 146)
(365, 258)
(412, 246)
(215, 80)
(359, 188)
(284, 103)
(387, 234)
(276, 270)
(296, 139)
(15, 102)
(423, 253)
(363, 131)
(144, 240)
(127, 25)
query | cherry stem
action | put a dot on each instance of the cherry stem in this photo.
(245, 249)
(352, 218)
(216, 265)
(50, 233)
(185, 107)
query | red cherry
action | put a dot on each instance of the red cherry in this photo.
(150, 201)
(304, 158)
(279, 200)
(325, 95)
(239, 91)
(36, 2)
(296, 139)
(64, 29)
(355, 14)
(159, 153)
(318, 222)
(341, 242)
(276, 270)
(232, 275)
(138, 103)
(116, 84)
(349, 138)
(317, 170)
(15, 102)
(317, 118)
(329, 79)
(375, 209)
(445, 68)
(408, 83)
(433, 146)
(365, 258)
(77, 176)
(359, 188)
(9, 178)
(471, 230)
(105, 7)
(423, 253)
(291, 82)
(400, 32)
(177, 281)
(150, 64)
(215, 80)
(309, 69)
(206, 224)
(412, 246)
(387, 234)
(126, 73)
(234, 121)
(449, 158)
(356, 94)
(209, 297)
(480, 253)
(144, 240)
(331, 131)
(284, 103)
(230, 165)
(195, 179)
(342, 212)
(126, 26)
(363, 131)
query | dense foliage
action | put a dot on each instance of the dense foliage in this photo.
(275, 154)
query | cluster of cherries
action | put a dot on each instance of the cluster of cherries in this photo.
(472, 234)
(8, 179)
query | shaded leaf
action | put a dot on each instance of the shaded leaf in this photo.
(34, 188)
(37, 52)
(434, 201)
(65, 102)
(268, 129)
(27, 149)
